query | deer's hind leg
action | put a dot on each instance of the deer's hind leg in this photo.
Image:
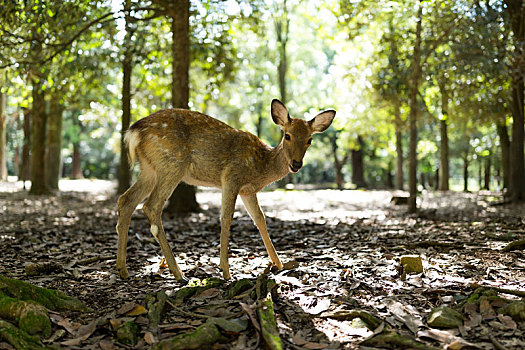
(167, 181)
(127, 203)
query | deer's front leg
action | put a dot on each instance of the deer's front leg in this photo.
(252, 205)
(229, 196)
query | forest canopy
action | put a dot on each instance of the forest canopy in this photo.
(429, 94)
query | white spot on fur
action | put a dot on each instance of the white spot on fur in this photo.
(154, 230)
(164, 125)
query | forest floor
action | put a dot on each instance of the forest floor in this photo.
(341, 249)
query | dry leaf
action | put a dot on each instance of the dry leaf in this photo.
(149, 338)
(137, 310)
(307, 344)
(126, 308)
(320, 306)
(106, 344)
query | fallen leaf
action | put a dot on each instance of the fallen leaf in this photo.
(447, 338)
(507, 321)
(320, 306)
(137, 310)
(149, 338)
(126, 307)
(307, 344)
(251, 314)
(106, 344)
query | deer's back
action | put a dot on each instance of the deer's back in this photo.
(204, 147)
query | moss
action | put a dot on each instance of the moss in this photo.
(51, 299)
(195, 287)
(31, 317)
(203, 337)
(239, 287)
(127, 333)
(18, 338)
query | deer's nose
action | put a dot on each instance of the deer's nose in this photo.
(297, 165)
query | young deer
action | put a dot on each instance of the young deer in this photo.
(180, 145)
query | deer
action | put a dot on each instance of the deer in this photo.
(177, 145)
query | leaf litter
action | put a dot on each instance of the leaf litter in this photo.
(342, 286)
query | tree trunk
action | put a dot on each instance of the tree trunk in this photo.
(183, 199)
(25, 171)
(282, 27)
(260, 118)
(124, 173)
(416, 72)
(338, 164)
(54, 144)
(38, 140)
(3, 158)
(443, 154)
(516, 10)
(480, 173)
(505, 153)
(399, 146)
(358, 168)
(76, 168)
(465, 173)
(389, 177)
(488, 166)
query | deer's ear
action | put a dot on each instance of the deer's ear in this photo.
(280, 113)
(322, 121)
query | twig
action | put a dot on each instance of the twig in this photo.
(519, 293)
(187, 313)
(94, 259)
(496, 343)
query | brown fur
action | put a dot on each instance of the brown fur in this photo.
(181, 145)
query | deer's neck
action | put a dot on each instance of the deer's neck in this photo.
(277, 164)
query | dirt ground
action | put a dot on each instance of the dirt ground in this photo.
(342, 250)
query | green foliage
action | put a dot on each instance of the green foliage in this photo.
(354, 56)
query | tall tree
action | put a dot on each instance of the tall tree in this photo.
(516, 12)
(124, 171)
(444, 174)
(3, 158)
(281, 20)
(414, 85)
(54, 143)
(183, 199)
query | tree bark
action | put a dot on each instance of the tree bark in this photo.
(183, 199)
(516, 11)
(505, 153)
(124, 173)
(54, 144)
(282, 27)
(3, 158)
(358, 168)
(488, 167)
(338, 164)
(38, 140)
(399, 146)
(443, 148)
(76, 167)
(416, 73)
(465, 172)
(25, 171)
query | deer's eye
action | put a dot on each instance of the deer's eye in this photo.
(309, 141)
(287, 137)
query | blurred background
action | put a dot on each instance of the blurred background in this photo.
(429, 94)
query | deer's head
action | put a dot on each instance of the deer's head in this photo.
(297, 133)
